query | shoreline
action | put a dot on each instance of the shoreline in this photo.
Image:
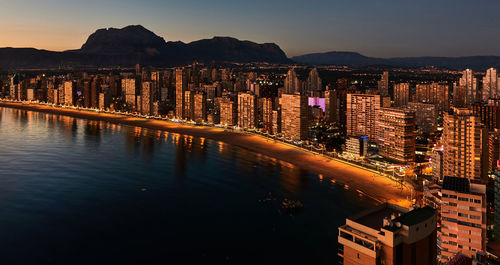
(364, 181)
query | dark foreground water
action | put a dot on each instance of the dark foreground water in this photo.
(84, 192)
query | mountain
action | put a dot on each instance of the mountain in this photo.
(136, 44)
(128, 40)
(356, 59)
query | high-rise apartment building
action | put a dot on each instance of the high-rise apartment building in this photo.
(389, 234)
(437, 164)
(292, 83)
(490, 85)
(95, 89)
(465, 145)
(488, 114)
(276, 121)
(247, 110)
(313, 82)
(434, 93)
(228, 112)
(383, 85)
(200, 107)
(463, 213)
(146, 98)
(69, 93)
(396, 134)
(180, 88)
(189, 105)
(331, 106)
(361, 112)
(469, 82)
(130, 90)
(426, 116)
(493, 149)
(267, 115)
(401, 94)
(294, 116)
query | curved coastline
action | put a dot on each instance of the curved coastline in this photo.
(364, 181)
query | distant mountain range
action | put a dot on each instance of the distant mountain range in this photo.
(135, 44)
(356, 59)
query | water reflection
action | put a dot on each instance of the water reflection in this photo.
(144, 143)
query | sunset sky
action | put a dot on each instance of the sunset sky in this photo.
(374, 28)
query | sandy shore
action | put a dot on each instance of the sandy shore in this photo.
(362, 180)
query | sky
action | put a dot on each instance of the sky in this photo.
(382, 28)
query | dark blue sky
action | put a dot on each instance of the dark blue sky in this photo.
(374, 28)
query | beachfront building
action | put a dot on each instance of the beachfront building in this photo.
(228, 112)
(396, 134)
(247, 110)
(294, 116)
(356, 146)
(267, 115)
(200, 107)
(361, 112)
(69, 93)
(181, 84)
(389, 234)
(129, 90)
(463, 212)
(146, 98)
(188, 105)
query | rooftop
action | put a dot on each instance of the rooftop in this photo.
(374, 218)
(457, 184)
(415, 216)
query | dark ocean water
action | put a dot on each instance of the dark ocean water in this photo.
(74, 191)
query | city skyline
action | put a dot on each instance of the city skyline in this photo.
(430, 29)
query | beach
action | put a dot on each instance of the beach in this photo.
(366, 182)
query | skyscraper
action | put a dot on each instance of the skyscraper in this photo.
(469, 82)
(247, 110)
(292, 82)
(228, 112)
(129, 88)
(267, 115)
(401, 94)
(331, 114)
(383, 84)
(465, 145)
(180, 88)
(396, 134)
(189, 105)
(69, 93)
(361, 112)
(146, 98)
(463, 212)
(200, 107)
(490, 84)
(313, 82)
(294, 116)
